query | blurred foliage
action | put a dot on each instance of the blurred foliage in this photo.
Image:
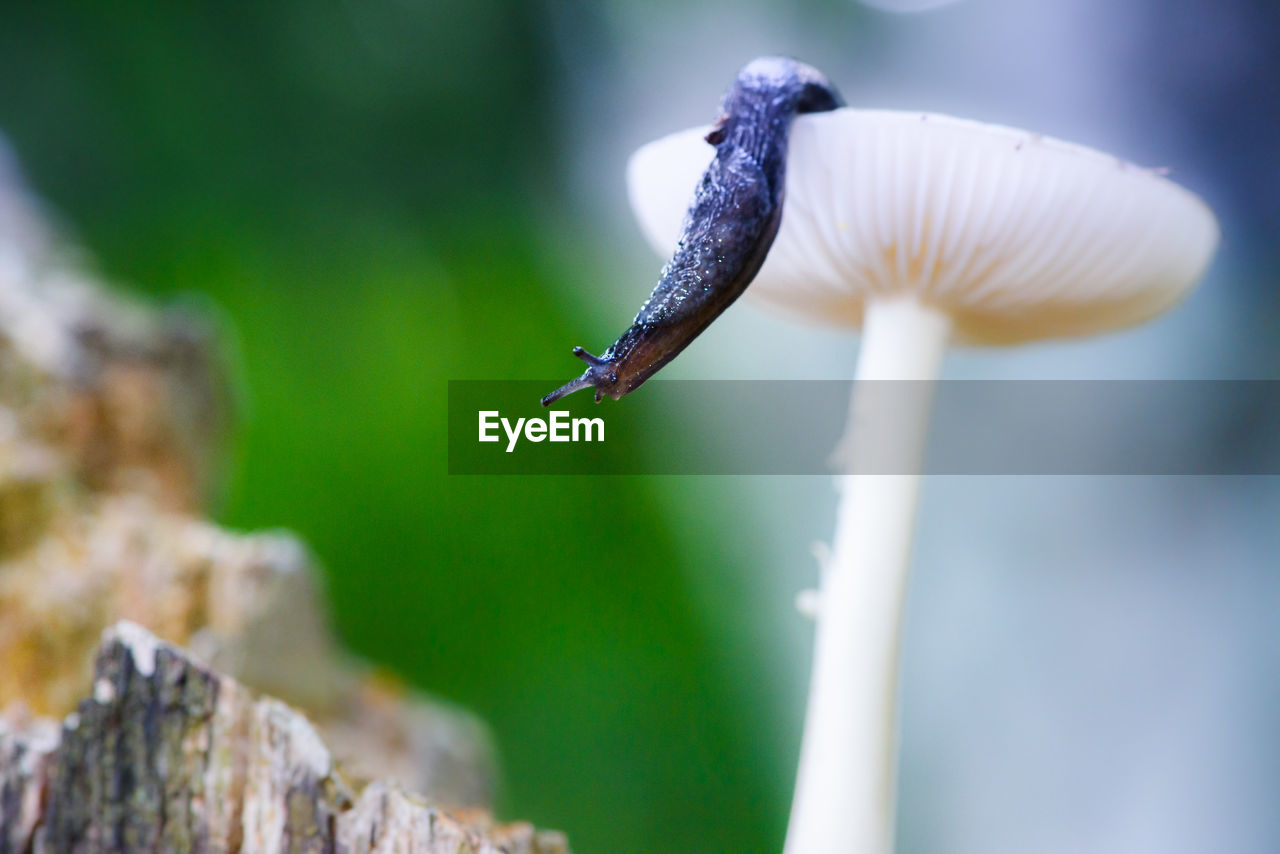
(361, 190)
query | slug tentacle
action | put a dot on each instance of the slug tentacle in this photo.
(576, 384)
(593, 361)
(598, 373)
(731, 223)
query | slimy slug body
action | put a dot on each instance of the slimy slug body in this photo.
(728, 230)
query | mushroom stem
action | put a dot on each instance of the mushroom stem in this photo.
(845, 788)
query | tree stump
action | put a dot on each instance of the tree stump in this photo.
(167, 755)
(112, 419)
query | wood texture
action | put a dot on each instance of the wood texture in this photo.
(169, 756)
(113, 413)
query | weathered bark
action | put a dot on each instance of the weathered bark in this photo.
(167, 755)
(112, 415)
(111, 420)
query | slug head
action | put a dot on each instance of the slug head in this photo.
(600, 374)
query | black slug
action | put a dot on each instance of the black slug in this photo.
(729, 228)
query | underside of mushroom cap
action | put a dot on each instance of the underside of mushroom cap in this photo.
(1015, 235)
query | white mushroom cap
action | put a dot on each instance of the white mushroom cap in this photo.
(1014, 235)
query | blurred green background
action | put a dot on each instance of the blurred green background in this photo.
(368, 197)
(377, 197)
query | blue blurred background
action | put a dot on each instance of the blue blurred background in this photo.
(379, 197)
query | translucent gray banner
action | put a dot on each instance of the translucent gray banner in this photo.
(1212, 427)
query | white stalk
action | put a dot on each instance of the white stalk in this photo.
(845, 790)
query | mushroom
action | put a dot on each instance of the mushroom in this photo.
(922, 229)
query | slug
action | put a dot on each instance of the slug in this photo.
(728, 229)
